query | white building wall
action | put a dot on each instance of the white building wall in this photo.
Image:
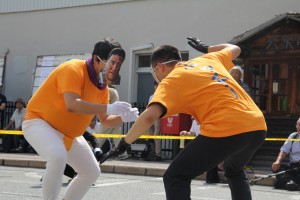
(133, 23)
(8, 6)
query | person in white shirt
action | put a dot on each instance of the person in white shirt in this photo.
(155, 130)
(18, 115)
(16, 121)
(194, 130)
(292, 149)
(95, 127)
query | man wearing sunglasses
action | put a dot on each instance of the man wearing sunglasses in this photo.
(232, 126)
(60, 111)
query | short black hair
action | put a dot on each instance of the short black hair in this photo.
(104, 47)
(164, 53)
(118, 51)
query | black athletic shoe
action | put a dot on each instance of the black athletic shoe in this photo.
(291, 186)
(18, 150)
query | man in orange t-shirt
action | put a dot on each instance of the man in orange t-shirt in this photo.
(61, 109)
(232, 126)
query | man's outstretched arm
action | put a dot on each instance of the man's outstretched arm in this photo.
(201, 47)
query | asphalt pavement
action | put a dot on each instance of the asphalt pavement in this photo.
(131, 166)
(24, 183)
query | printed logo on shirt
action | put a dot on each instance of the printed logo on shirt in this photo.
(215, 76)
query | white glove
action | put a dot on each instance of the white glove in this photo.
(130, 116)
(118, 108)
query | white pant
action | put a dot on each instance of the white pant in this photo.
(48, 143)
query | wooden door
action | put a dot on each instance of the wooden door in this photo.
(275, 85)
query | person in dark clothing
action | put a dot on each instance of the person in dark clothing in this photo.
(3, 102)
(212, 175)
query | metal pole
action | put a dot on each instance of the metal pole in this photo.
(253, 181)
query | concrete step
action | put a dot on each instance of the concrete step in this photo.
(263, 161)
(265, 157)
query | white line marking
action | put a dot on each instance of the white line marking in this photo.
(20, 194)
(115, 183)
(33, 174)
(205, 198)
(192, 197)
(294, 197)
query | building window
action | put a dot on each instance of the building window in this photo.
(144, 61)
(185, 56)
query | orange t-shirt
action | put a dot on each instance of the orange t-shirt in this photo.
(48, 101)
(203, 88)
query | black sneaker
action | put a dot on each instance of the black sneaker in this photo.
(291, 186)
(18, 150)
(98, 155)
(156, 158)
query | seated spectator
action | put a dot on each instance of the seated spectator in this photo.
(155, 130)
(212, 175)
(20, 145)
(237, 73)
(290, 180)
